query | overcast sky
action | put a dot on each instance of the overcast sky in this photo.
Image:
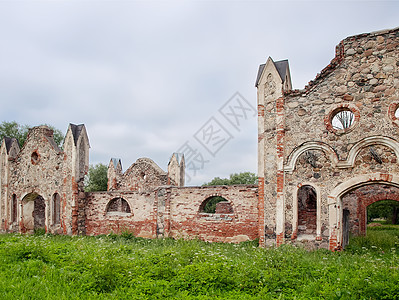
(148, 77)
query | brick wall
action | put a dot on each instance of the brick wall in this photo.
(175, 212)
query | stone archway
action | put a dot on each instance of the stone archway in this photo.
(33, 213)
(348, 204)
(357, 200)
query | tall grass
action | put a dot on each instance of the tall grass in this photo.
(381, 238)
(126, 267)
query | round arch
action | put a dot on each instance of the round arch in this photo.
(335, 205)
(33, 212)
(295, 191)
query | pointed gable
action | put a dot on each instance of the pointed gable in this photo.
(9, 143)
(115, 162)
(281, 66)
(76, 130)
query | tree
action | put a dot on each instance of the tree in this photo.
(14, 130)
(236, 178)
(385, 209)
(20, 132)
(96, 180)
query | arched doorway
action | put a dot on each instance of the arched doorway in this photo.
(307, 210)
(33, 212)
(355, 210)
(355, 203)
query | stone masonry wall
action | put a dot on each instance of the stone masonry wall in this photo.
(364, 78)
(143, 175)
(37, 169)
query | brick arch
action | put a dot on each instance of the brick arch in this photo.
(357, 201)
(335, 201)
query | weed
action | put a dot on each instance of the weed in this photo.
(123, 266)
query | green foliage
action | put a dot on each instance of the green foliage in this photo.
(236, 178)
(385, 209)
(96, 180)
(20, 132)
(39, 231)
(14, 130)
(126, 267)
(382, 238)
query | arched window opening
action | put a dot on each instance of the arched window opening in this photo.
(216, 205)
(118, 205)
(39, 214)
(56, 209)
(307, 210)
(14, 208)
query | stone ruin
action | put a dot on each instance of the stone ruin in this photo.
(324, 154)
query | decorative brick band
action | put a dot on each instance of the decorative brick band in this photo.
(261, 110)
(333, 241)
(280, 239)
(261, 209)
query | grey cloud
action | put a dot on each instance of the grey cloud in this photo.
(145, 76)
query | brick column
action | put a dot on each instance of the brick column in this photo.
(261, 211)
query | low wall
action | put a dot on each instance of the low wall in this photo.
(175, 212)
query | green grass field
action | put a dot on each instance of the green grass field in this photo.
(125, 267)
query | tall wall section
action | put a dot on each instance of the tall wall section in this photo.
(321, 160)
(40, 183)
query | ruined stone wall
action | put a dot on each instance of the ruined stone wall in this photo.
(42, 184)
(37, 169)
(143, 175)
(363, 78)
(301, 144)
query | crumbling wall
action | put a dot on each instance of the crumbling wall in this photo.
(363, 80)
(144, 175)
(33, 177)
(183, 218)
(36, 170)
(139, 218)
(175, 212)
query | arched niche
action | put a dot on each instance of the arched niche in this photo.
(118, 206)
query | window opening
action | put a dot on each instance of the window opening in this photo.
(343, 119)
(216, 205)
(118, 205)
(14, 208)
(307, 210)
(56, 209)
